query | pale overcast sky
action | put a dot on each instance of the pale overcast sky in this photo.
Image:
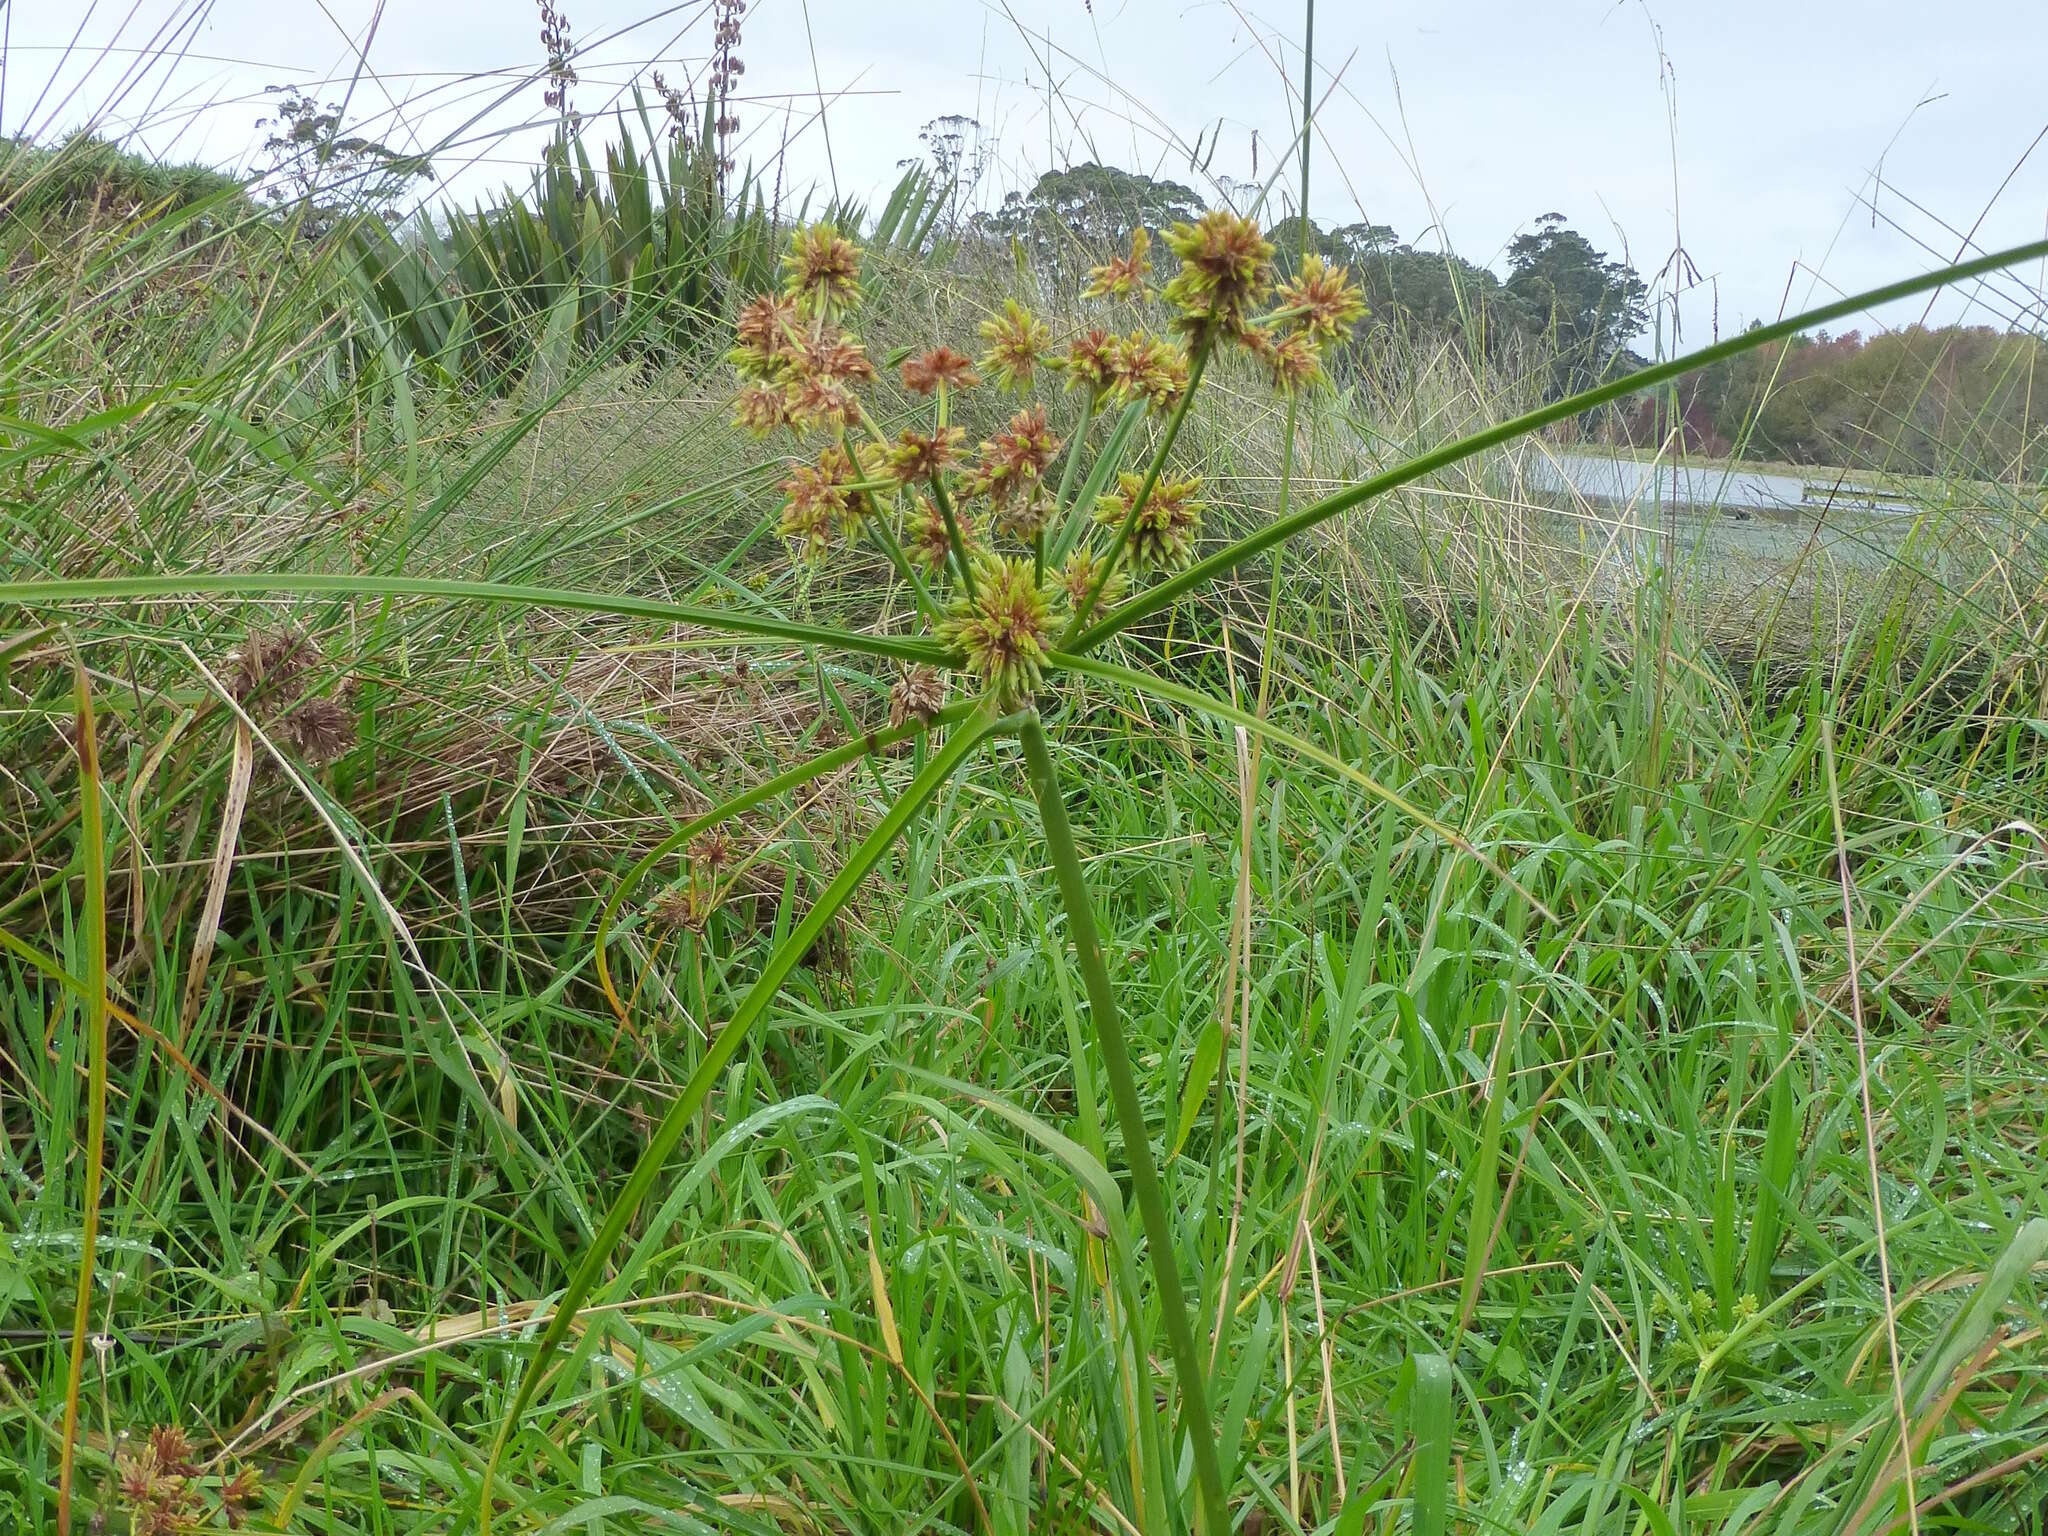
(1760, 132)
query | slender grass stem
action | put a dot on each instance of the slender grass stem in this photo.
(1130, 1111)
(286, 583)
(93, 1010)
(945, 505)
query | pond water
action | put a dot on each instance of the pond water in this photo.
(1736, 521)
(1698, 487)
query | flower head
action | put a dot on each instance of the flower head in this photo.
(1016, 459)
(712, 849)
(1164, 534)
(1123, 277)
(1079, 575)
(760, 408)
(1225, 265)
(814, 403)
(1005, 628)
(1322, 300)
(821, 270)
(321, 729)
(1149, 368)
(1090, 363)
(919, 456)
(273, 663)
(919, 694)
(1017, 342)
(833, 356)
(1295, 361)
(927, 540)
(763, 332)
(941, 367)
(819, 504)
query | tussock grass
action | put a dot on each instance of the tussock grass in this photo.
(1649, 1188)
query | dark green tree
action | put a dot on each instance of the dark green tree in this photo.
(1071, 219)
(1588, 308)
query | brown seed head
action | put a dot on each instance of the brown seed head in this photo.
(272, 663)
(941, 366)
(1124, 277)
(712, 849)
(919, 693)
(821, 271)
(320, 729)
(1226, 265)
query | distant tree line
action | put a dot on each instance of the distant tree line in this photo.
(1949, 400)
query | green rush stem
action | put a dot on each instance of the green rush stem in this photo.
(1080, 441)
(1066, 490)
(1196, 365)
(953, 534)
(94, 1007)
(1123, 1088)
(802, 774)
(721, 1049)
(274, 583)
(1282, 529)
(893, 547)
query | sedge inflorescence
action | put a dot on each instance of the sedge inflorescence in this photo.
(993, 538)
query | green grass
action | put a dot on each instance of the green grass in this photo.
(1593, 1069)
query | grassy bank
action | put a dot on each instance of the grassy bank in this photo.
(1595, 1073)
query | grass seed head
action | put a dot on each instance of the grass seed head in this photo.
(1091, 363)
(941, 367)
(819, 505)
(1015, 460)
(765, 331)
(1322, 301)
(1078, 577)
(919, 455)
(1017, 343)
(1149, 368)
(272, 663)
(1163, 537)
(1123, 277)
(926, 539)
(919, 693)
(1226, 266)
(1005, 628)
(760, 408)
(821, 271)
(320, 730)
